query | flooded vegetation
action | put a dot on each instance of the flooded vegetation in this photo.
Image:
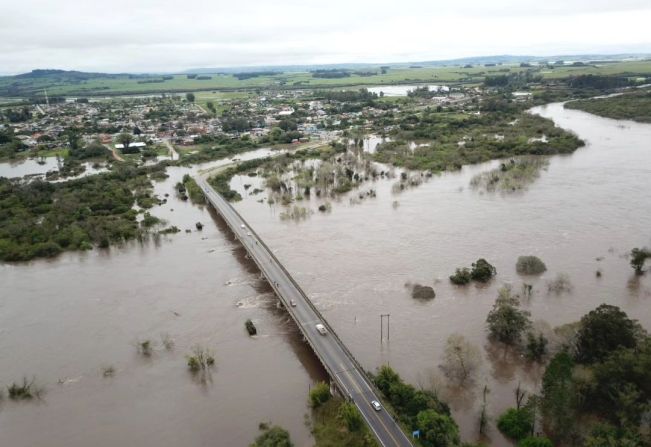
(155, 312)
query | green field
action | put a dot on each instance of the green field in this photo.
(219, 84)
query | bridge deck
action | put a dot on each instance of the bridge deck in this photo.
(342, 367)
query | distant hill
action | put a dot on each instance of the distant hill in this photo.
(33, 85)
(477, 60)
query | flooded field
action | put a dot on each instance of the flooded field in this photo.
(62, 321)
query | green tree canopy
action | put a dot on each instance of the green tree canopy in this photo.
(603, 330)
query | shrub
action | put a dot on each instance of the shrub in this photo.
(638, 258)
(461, 277)
(516, 424)
(536, 346)
(319, 394)
(482, 271)
(437, 430)
(422, 292)
(349, 413)
(272, 437)
(145, 348)
(560, 284)
(250, 327)
(535, 441)
(530, 265)
(25, 391)
(200, 360)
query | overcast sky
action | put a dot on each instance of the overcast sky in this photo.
(166, 35)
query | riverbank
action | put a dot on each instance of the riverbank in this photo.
(635, 106)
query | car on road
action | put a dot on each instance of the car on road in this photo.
(248, 233)
(321, 328)
(376, 405)
(242, 226)
(292, 302)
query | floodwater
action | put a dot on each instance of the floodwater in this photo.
(584, 213)
(32, 167)
(401, 90)
(62, 320)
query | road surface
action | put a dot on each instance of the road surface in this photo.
(338, 361)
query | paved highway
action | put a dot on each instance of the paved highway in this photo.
(338, 361)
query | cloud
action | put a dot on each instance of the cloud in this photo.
(165, 35)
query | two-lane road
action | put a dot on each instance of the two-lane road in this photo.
(337, 360)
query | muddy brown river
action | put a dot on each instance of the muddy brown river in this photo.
(62, 321)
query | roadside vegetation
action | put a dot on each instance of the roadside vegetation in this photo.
(418, 409)
(339, 423)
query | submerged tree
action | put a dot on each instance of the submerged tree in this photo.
(461, 358)
(638, 258)
(506, 321)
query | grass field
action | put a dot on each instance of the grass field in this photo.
(220, 84)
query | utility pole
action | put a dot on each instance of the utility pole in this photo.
(382, 327)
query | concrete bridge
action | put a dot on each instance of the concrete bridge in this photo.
(345, 372)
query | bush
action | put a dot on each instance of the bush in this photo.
(461, 277)
(200, 360)
(272, 437)
(530, 265)
(349, 413)
(560, 284)
(482, 271)
(638, 258)
(536, 346)
(516, 424)
(437, 430)
(320, 394)
(250, 327)
(422, 292)
(535, 441)
(25, 391)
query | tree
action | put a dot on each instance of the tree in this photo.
(605, 435)
(272, 437)
(211, 106)
(558, 396)
(506, 321)
(536, 346)
(436, 429)
(461, 358)
(530, 265)
(516, 423)
(319, 394)
(482, 271)
(461, 277)
(189, 97)
(125, 139)
(350, 415)
(73, 139)
(638, 258)
(604, 330)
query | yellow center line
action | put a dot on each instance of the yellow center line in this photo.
(379, 419)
